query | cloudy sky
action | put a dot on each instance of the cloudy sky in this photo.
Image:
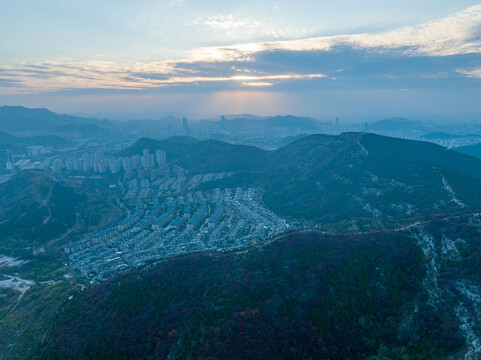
(357, 60)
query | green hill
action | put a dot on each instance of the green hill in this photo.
(305, 296)
(36, 206)
(38, 210)
(11, 141)
(472, 150)
(334, 179)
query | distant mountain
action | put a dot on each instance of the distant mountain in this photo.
(472, 150)
(19, 119)
(40, 114)
(396, 124)
(54, 141)
(244, 116)
(292, 122)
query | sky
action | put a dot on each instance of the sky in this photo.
(147, 59)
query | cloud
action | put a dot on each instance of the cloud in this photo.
(231, 26)
(67, 75)
(227, 22)
(471, 73)
(257, 84)
(448, 48)
(456, 34)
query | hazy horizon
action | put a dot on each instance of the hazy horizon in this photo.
(349, 120)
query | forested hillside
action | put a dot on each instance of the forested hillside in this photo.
(306, 295)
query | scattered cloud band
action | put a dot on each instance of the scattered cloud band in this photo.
(267, 64)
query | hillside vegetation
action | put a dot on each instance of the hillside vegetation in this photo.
(306, 295)
(472, 150)
(40, 211)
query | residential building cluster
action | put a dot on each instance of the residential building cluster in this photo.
(98, 163)
(174, 219)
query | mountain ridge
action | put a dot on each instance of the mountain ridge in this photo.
(471, 150)
(20, 119)
(54, 141)
(329, 178)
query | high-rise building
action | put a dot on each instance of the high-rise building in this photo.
(114, 166)
(127, 164)
(185, 125)
(6, 157)
(85, 165)
(97, 167)
(337, 121)
(9, 156)
(160, 157)
(69, 163)
(135, 161)
(57, 165)
(147, 160)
